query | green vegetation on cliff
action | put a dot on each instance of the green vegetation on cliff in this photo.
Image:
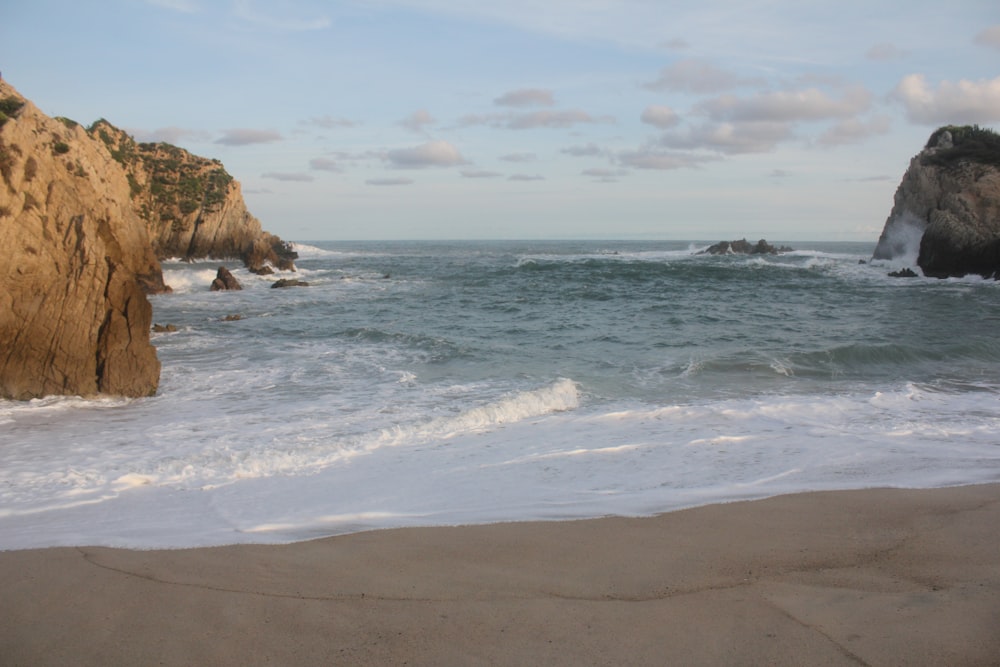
(970, 143)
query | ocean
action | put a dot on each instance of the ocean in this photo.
(439, 383)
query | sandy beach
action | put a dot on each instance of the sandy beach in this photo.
(875, 577)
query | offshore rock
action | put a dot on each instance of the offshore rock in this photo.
(744, 247)
(76, 264)
(288, 282)
(946, 210)
(225, 280)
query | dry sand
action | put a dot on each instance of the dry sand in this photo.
(878, 577)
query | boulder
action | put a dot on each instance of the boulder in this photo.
(288, 282)
(744, 247)
(224, 280)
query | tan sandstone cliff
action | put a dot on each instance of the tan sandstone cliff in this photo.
(74, 318)
(946, 210)
(85, 215)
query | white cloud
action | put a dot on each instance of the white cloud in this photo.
(549, 119)
(989, 37)
(696, 76)
(325, 164)
(519, 157)
(417, 120)
(952, 102)
(286, 176)
(590, 150)
(660, 116)
(526, 97)
(604, 175)
(732, 138)
(854, 130)
(525, 177)
(328, 122)
(432, 154)
(245, 136)
(787, 106)
(649, 158)
(389, 181)
(244, 10)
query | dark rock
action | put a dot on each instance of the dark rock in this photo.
(224, 280)
(744, 247)
(164, 328)
(232, 318)
(289, 282)
(263, 270)
(903, 273)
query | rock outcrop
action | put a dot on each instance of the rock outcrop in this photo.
(946, 210)
(225, 281)
(85, 216)
(74, 317)
(744, 247)
(192, 208)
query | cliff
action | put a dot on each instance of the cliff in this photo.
(191, 206)
(74, 317)
(85, 216)
(946, 210)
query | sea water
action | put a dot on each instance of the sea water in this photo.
(424, 383)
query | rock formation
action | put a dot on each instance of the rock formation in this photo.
(744, 247)
(74, 317)
(288, 282)
(946, 210)
(85, 215)
(225, 280)
(193, 209)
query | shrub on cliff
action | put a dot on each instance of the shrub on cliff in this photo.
(969, 143)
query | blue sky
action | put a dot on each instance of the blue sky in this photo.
(383, 119)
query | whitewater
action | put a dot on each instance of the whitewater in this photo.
(432, 383)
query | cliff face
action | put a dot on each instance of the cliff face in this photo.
(74, 318)
(946, 211)
(191, 206)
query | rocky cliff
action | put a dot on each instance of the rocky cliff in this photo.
(946, 211)
(74, 317)
(85, 215)
(191, 206)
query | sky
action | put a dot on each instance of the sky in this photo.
(554, 119)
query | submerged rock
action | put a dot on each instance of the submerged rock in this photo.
(903, 273)
(288, 282)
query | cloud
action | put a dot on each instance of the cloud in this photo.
(325, 164)
(525, 177)
(245, 137)
(286, 176)
(170, 135)
(696, 76)
(779, 173)
(590, 150)
(526, 97)
(519, 157)
(432, 154)
(242, 9)
(550, 119)
(659, 116)
(604, 175)
(676, 44)
(854, 130)
(787, 106)
(328, 122)
(960, 102)
(389, 181)
(989, 37)
(884, 52)
(479, 173)
(731, 138)
(649, 158)
(183, 6)
(417, 120)
(531, 120)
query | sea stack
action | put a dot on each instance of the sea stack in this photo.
(946, 211)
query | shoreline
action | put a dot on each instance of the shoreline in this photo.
(876, 577)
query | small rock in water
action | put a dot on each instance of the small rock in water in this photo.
(289, 282)
(903, 273)
(164, 328)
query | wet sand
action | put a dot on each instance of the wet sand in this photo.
(874, 577)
